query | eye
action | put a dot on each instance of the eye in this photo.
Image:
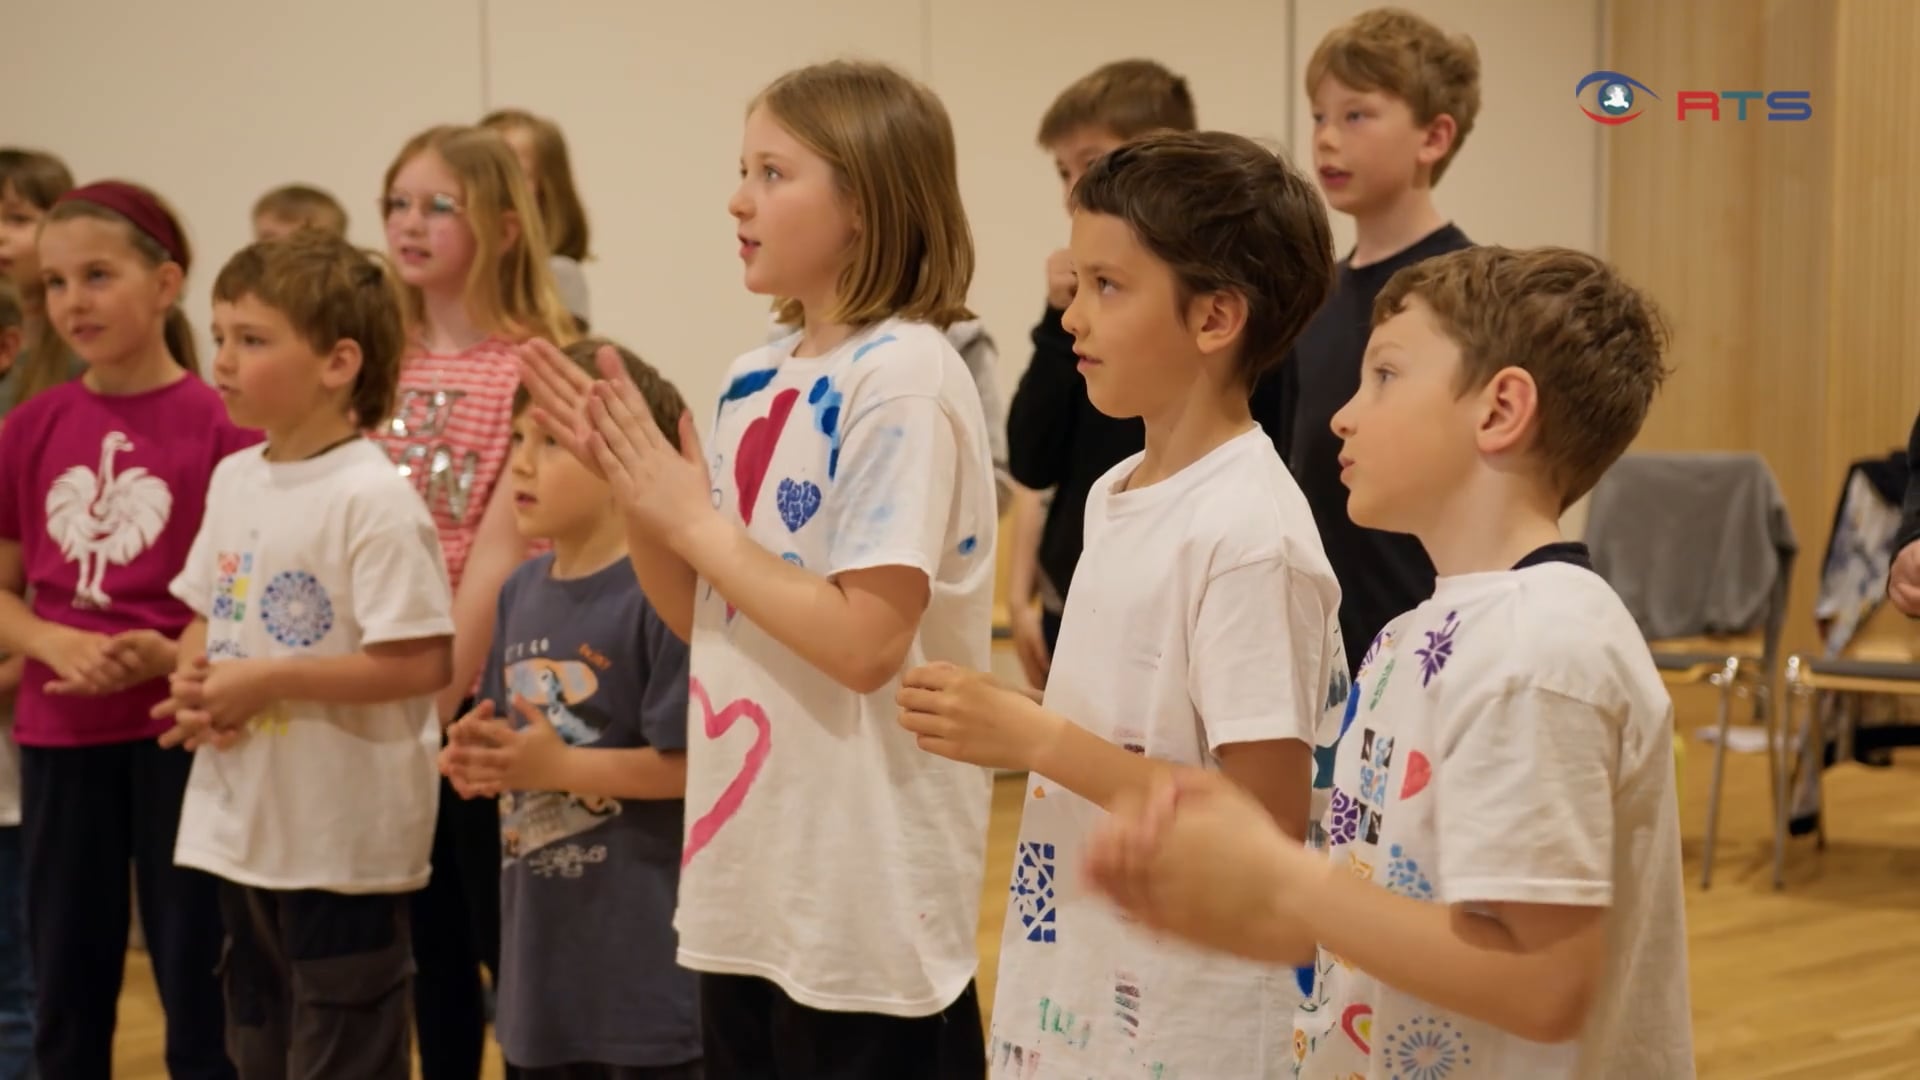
(1382, 373)
(768, 172)
(97, 275)
(1319, 117)
(1355, 116)
(442, 206)
(515, 439)
(252, 340)
(1105, 284)
(396, 205)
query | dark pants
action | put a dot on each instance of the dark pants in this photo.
(1050, 630)
(689, 1071)
(16, 968)
(316, 984)
(86, 812)
(754, 1031)
(456, 930)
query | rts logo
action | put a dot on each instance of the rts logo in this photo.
(1617, 98)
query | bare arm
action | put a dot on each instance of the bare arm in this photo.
(635, 773)
(388, 671)
(497, 548)
(666, 578)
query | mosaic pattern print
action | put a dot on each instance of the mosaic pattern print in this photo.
(1425, 1048)
(1033, 895)
(296, 609)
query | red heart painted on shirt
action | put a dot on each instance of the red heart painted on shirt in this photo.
(755, 452)
(1419, 773)
(714, 725)
(1357, 1022)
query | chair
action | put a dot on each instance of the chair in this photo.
(1699, 547)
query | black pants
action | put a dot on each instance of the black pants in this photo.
(87, 812)
(754, 1031)
(689, 1071)
(316, 984)
(456, 930)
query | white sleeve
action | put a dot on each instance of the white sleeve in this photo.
(193, 586)
(400, 588)
(1260, 655)
(893, 490)
(1525, 788)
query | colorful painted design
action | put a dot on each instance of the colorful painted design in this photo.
(1345, 813)
(861, 352)
(1380, 687)
(1126, 1003)
(1033, 896)
(755, 452)
(1416, 776)
(1357, 1024)
(827, 402)
(1438, 649)
(230, 586)
(1381, 642)
(1425, 1048)
(968, 546)
(714, 725)
(296, 609)
(798, 502)
(1404, 876)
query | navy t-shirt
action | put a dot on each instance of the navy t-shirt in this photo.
(588, 885)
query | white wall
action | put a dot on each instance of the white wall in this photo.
(212, 102)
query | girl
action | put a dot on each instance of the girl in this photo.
(102, 485)
(471, 254)
(542, 151)
(30, 181)
(832, 871)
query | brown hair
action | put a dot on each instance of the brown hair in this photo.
(329, 291)
(1128, 98)
(12, 312)
(1592, 343)
(1226, 215)
(308, 207)
(559, 200)
(890, 144)
(39, 179)
(662, 397)
(509, 289)
(1399, 53)
(178, 332)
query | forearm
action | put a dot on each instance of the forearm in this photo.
(363, 678)
(20, 628)
(666, 579)
(1090, 766)
(475, 604)
(11, 671)
(636, 773)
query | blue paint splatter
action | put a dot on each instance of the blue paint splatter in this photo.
(870, 346)
(748, 384)
(794, 558)
(826, 402)
(968, 545)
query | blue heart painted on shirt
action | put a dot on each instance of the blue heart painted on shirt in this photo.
(798, 502)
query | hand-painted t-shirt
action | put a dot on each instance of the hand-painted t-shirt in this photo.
(1509, 741)
(825, 850)
(1203, 613)
(316, 558)
(451, 426)
(588, 884)
(104, 495)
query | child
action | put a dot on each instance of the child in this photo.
(582, 733)
(102, 485)
(287, 210)
(1393, 100)
(321, 633)
(471, 256)
(16, 976)
(1505, 868)
(542, 149)
(843, 530)
(1056, 438)
(1201, 630)
(30, 182)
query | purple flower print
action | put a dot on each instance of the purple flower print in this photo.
(1438, 649)
(1346, 818)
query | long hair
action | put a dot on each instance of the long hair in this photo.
(554, 190)
(178, 332)
(39, 179)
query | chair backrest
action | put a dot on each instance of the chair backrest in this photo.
(1695, 543)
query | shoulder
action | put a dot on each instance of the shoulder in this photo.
(899, 358)
(26, 424)
(368, 485)
(1249, 510)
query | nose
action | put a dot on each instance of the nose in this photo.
(520, 458)
(1343, 419)
(739, 205)
(1325, 140)
(1073, 320)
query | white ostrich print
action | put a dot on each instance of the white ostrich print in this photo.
(100, 519)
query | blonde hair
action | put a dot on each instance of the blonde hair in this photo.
(560, 208)
(890, 144)
(1399, 53)
(509, 289)
(305, 206)
(39, 179)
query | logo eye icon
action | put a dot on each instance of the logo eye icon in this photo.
(1614, 98)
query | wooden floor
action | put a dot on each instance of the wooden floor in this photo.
(1822, 980)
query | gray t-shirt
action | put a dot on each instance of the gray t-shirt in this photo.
(588, 885)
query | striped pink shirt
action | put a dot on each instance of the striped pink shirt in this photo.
(451, 429)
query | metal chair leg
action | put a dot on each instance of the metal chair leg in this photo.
(1724, 680)
(1778, 763)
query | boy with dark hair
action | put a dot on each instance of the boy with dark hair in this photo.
(1501, 895)
(1056, 438)
(1201, 630)
(1394, 97)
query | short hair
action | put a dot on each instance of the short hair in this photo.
(1225, 214)
(329, 291)
(554, 190)
(1128, 98)
(1396, 52)
(891, 147)
(12, 312)
(309, 207)
(1593, 344)
(662, 397)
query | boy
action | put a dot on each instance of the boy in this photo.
(1504, 871)
(286, 210)
(1393, 100)
(1202, 627)
(323, 629)
(581, 732)
(1055, 437)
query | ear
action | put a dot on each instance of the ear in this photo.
(509, 230)
(342, 365)
(172, 279)
(1217, 320)
(1510, 407)
(1438, 139)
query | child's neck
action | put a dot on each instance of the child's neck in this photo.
(1492, 523)
(1386, 231)
(449, 327)
(311, 436)
(818, 337)
(591, 551)
(151, 369)
(1188, 429)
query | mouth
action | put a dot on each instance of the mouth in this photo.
(1332, 177)
(413, 255)
(227, 390)
(522, 500)
(1084, 361)
(747, 246)
(85, 332)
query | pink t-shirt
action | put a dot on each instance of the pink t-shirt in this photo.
(449, 436)
(104, 495)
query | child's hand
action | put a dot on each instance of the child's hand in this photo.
(193, 725)
(970, 716)
(661, 491)
(559, 390)
(83, 663)
(149, 653)
(1061, 282)
(11, 670)
(1030, 644)
(485, 756)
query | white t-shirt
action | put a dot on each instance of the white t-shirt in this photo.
(825, 851)
(316, 558)
(1509, 741)
(1203, 613)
